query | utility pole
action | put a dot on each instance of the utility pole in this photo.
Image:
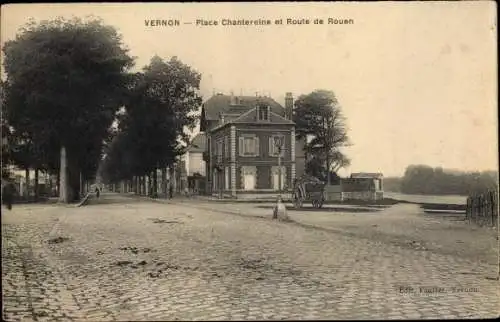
(279, 170)
(280, 207)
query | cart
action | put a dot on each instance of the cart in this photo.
(308, 189)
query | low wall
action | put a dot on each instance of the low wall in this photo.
(272, 195)
(362, 195)
(335, 193)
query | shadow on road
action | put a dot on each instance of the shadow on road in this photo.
(113, 198)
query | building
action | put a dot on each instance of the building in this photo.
(194, 165)
(241, 154)
(375, 179)
(359, 186)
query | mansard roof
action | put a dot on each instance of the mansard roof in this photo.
(230, 104)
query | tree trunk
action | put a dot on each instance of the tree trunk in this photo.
(81, 184)
(70, 177)
(50, 186)
(58, 182)
(173, 180)
(328, 180)
(155, 183)
(148, 185)
(37, 192)
(74, 178)
(27, 178)
(164, 182)
(63, 177)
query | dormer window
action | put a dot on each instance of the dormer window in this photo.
(263, 113)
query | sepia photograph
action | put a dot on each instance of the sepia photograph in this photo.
(230, 161)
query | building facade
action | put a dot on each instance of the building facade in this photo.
(359, 186)
(242, 137)
(194, 165)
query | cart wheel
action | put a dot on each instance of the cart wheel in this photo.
(320, 204)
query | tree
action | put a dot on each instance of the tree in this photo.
(319, 114)
(65, 81)
(159, 108)
(316, 168)
(423, 179)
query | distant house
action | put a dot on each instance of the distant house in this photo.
(241, 134)
(359, 186)
(375, 178)
(194, 155)
(195, 167)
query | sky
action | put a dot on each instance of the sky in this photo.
(417, 81)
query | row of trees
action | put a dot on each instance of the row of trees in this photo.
(67, 80)
(422, 179)
(162, 103)
(320, 116)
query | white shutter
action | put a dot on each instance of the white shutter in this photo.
(283, 144)
(226, 178)
(241, 146)
(257, 148)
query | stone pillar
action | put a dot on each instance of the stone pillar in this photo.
(233, 160)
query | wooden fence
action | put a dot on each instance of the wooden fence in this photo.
(482, 209)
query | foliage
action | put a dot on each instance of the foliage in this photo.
(392, 184)
(316, 168)
(152, 130)
(319, 114)
(422, 179)
(65, 80)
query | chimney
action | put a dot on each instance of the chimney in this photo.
(288, 105)
(231, 99)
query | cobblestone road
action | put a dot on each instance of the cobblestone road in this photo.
(139, 260)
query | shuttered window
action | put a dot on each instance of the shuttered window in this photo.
(273, 141)
(248, 145)
(219, 150)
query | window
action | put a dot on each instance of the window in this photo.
(249, 145)
(263, 113)
(226, 147)
(219, 150)
(274, 141)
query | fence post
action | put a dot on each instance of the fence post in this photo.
(492, 207)
(467, 208)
